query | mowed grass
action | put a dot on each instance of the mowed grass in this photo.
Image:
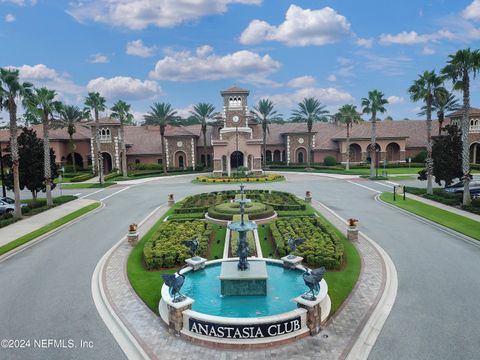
(361, 171)
(448, 219)
(86, 185)
(268, 250)
(218, 244)
(45, 229)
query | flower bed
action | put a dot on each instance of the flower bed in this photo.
(322, 247)
(165, 248)
(261, 178)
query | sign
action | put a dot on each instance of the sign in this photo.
(236, 331)
(400, 189)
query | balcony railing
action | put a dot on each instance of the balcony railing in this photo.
(475, 128)
(105, 138)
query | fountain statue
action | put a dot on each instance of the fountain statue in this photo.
(248, 278)
(292, 244)
(312, 279)
(195, 262)
(193, 246)
(174, 284)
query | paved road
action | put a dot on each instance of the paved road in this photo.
(46, 289)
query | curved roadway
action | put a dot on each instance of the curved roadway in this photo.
(45, 291)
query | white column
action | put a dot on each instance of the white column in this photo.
(288, 149)
(92, 153)
(166, 154)
(229, 170)
(192, 143)
(281, 156)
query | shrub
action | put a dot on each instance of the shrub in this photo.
(83, 177)
(330, 161)
(165, 248)
(322, 246)
(420, 157)
(111, 176)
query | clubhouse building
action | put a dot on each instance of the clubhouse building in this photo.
(234, 139)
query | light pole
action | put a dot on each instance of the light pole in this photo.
(236, 144)
(2, 174)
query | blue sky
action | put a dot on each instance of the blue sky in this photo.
(187, 51)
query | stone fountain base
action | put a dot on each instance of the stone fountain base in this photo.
(252, 281)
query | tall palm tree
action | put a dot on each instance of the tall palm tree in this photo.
(161, 114)
(70, 115)
(11, 91)
(348, 115)
(426, 88)
(121, 111)
(203, 112)
(42, 102)
(265, 113)
(443, 102)
(373, 104)
(458, 69)
(309, 111)
(96, 103)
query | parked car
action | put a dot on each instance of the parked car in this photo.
(457, 188)
(7, 200)
(8, 206)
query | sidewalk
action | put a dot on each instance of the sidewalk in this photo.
(27, 225)
(449, 208)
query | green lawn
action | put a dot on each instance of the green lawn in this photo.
(86, 185)
(361, 171)
(453, 221)
(266, 244)
(216, 248)
(43, 230)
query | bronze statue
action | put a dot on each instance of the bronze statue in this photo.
(192, 245)
(312, 279)
(174, 284)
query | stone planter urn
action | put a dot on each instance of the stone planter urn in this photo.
(132, 235)
(171, 199)
(352, 231)
(308, 197)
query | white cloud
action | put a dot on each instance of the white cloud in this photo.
(332, 77)
(20, 2)
(428, 51)
(125, 88)
(344, 61)
(391, 66)
(9, 18)
(41, 75)
(472, 11)
(366, 43)
(412, 37)
(184, 112)
(301, 27)
(138, 14)
(243, 65)
(137, 48)
(302, 81)
(327, 96)
(98, 59)
(395, 99)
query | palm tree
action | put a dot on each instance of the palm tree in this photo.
(443, 103)
(375, 103)
(348, 115)
(426, 88)
(161, 114)
(70, 115)
(96, 103)
(121, 111)
(309, 110)
(11, 91)
(458, 69)
(202, 112)
(265, 113)
(42, 102)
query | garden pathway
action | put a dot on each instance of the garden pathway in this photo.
(334, 342)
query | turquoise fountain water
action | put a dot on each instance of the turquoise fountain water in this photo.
(282, 287)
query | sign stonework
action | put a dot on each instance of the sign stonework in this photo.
(236, 331)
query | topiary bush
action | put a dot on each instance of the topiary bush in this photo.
(420, 157)
(165, 248)
(330, 161)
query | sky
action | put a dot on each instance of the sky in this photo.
(187, 51)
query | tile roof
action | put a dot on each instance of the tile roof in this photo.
(471, 111)
(82, 133)
(235, 89)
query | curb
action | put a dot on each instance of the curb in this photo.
(50, 233)
(125, 339)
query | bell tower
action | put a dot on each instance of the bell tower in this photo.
(235, 107)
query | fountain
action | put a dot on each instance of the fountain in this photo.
(243, 278)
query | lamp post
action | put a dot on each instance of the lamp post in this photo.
(236, 144)
(377, 150)
(2, 174)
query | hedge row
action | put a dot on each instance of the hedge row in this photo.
(322, 246)
(265, 213)
(83, 177)
(165, 248)
(110, 176)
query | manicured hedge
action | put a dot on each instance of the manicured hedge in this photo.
(236, 179)
(322, 246)
(111, 176)
(83, 177)
(263, 213)
(165, 248)
(330, 161)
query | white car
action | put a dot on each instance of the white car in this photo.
(7, 206)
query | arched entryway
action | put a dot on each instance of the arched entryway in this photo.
(393, 152)
(107, 163)
(236, 159)
(475, 153)
(301, 155)
(269, 155)
(78, 160)
(355, 153)
(181, 160)
(276, 156)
